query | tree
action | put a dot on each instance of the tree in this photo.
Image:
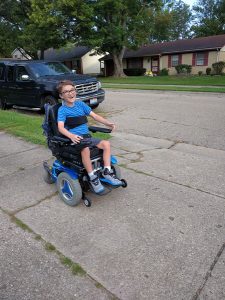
(181, 19)
(209, 18)
(108, 26)
(12, 14)
(172, 22)
(20, 30)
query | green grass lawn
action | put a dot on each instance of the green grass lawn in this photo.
(28, 127)
(168, 80)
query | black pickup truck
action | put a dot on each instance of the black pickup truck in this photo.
(32, 83)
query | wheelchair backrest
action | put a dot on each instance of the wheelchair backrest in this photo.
(50, 125)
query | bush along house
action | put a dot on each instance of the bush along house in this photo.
(197, 55)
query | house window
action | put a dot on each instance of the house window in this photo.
(174, 60)
(200, 57)
(133, 63)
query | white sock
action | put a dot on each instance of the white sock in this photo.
(107, 167)
(91, 174)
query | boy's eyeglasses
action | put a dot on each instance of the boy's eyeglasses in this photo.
(69, 92)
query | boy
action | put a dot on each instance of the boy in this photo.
(72, 108)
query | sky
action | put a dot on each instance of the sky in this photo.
(189, 2)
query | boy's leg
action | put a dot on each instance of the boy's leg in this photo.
(85, 155)
(107, 172)
(105, 146)
(94, 180)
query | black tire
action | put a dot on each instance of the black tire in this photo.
(3, 105)
(124, 183)
(69, 189)
(95, 106)
(47, 177)
(48, 99)
(87, 202)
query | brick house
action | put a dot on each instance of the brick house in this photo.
(200, 53)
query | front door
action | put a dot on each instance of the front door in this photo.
(155, 65)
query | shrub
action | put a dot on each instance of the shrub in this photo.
(182, 69)
(218, 67)
(134, 71)
(208, 71)
(200, 73)
(164, 72)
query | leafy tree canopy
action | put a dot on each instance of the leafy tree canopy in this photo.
(209, 18)
(104, 25)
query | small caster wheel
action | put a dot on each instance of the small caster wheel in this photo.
(124, 183)
(87, 202)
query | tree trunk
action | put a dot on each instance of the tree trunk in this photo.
(118, 63)
(42, 53)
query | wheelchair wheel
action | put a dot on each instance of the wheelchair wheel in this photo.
(69, 189)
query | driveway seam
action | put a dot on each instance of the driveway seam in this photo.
(209, 273)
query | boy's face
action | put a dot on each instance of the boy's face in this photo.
(68, 93)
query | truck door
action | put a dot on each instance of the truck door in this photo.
(26, 89)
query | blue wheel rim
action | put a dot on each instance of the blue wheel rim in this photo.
(66, 189)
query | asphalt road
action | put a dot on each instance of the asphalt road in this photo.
(192, 118)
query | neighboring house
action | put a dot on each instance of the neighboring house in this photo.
(20, 53)
(80, 58)
(200, 53)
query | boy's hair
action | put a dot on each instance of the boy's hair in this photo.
(63, 83)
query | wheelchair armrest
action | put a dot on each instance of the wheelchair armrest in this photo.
(99, 129)
(61, 139)
(66, 141)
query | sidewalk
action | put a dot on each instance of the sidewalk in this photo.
(160, 238)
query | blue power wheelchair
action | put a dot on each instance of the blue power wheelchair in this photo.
(67, 171)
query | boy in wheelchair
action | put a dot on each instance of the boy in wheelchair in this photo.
(72, 123)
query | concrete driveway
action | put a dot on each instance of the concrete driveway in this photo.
(161, 238)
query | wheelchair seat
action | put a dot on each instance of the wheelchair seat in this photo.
(61, 146)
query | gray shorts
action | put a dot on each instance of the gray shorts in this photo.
(94, 141)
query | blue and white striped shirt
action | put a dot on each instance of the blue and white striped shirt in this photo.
(79, 108)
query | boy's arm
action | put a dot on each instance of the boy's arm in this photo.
(74, 138)
(102, 120)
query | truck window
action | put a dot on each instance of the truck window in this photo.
(2, 73)
(10, 73)
(20, 70)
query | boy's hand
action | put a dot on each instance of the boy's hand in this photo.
(112, 126)
(75, 138)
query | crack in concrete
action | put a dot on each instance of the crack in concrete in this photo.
(33, 205)
(209, 273)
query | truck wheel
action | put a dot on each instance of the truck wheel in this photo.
(48, 99)
(3, 105)
(95, 106)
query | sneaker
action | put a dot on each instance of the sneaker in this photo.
(111, 177)
(96, 185)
